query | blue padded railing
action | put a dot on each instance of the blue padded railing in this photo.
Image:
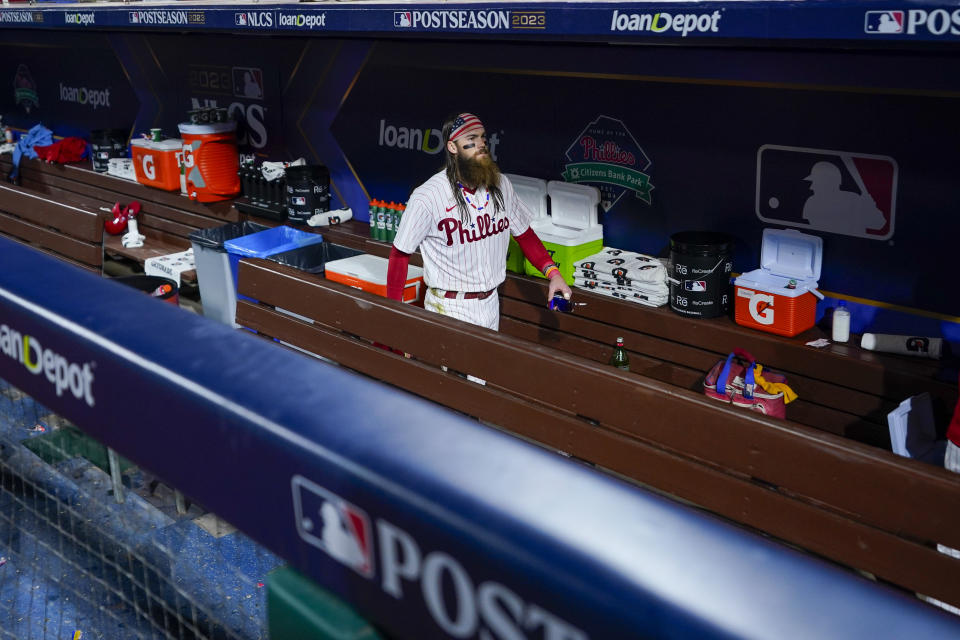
(426, 522)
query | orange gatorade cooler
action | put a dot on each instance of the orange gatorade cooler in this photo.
(781, 296)
(369, 273)
(155, 163)
(211, 160)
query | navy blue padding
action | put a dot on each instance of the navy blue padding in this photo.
(239, 424)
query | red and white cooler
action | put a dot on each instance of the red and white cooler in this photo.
(369, 273)
(157, 164)
(765, 299)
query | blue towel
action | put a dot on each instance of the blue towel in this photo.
(38, 136)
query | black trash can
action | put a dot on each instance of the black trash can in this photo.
(702, 262)
(106, 144)
(308, 192)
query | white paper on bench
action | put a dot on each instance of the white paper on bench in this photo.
(170, 265)
(913, 433)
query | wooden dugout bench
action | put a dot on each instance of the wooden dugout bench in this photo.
(166, 218)
(843, 389)
(66, 226)
(831, 489)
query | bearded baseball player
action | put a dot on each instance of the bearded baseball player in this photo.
(460, 219)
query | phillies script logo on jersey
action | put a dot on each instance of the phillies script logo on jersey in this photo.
(483, 227)
(461, 607)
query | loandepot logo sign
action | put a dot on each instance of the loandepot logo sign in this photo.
(60, 372)
(94, 98)
(83, 19)
(605, 154)
(663, 22)
(428, 141)
(302, 20)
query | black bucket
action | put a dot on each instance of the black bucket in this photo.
(308, 192)
(106, 144)
(161, 288)
(700, 277)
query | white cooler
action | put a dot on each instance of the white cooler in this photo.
(533, 193)
(571, 232)
(369, 273)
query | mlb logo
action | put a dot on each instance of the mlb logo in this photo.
(248, 81)
(298, 200)
(843, 192)
(240, 19)
(330, 523)
(402, 18)
(883, 22)
(695, 285)
(134, 17)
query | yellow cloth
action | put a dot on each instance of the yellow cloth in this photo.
(789, 395)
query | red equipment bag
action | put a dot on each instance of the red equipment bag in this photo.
(733, 381)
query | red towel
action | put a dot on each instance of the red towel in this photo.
(70, 149)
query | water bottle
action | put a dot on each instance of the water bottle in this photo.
(921, 346)
(373, 218)
(841, 323)
(382, 221)
(619, 359)
(563, 305)
(388, 221)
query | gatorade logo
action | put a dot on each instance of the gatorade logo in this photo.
(60, 372)
(149, 168)
(761, 308)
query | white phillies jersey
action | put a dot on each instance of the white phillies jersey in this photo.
(456, 256)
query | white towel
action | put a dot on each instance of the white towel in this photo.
(658, 287)
(650, 298)
(625, 266)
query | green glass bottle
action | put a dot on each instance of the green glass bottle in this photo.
(620, 359)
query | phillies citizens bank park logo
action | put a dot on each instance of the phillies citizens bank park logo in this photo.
(606, 155)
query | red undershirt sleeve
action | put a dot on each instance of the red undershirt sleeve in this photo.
(534, 250)
(397, 273)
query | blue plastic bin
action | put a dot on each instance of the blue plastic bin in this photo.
(266, 243)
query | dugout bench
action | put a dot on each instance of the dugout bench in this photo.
(822, 480)
(166, 218)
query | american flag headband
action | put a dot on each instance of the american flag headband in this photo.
(465, 123)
